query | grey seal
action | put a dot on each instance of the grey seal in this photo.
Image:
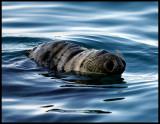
(68, 57)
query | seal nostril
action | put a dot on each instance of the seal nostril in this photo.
(110, 65)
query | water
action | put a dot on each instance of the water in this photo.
(31, 94)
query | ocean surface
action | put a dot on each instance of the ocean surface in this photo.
(32, 94)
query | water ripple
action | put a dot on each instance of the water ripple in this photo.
(79, 111)
(31, 93)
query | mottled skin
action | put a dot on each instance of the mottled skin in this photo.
(67, 57)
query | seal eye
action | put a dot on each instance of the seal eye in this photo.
(109, 65)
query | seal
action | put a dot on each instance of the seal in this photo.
(68, 57)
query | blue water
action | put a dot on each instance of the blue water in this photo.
(31, 94)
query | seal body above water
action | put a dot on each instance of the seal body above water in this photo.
(64, 56)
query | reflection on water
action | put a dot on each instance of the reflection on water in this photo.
(79, 111)
(113, 99)
(46, 106)
(88, 80)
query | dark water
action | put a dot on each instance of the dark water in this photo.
(31, 94)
